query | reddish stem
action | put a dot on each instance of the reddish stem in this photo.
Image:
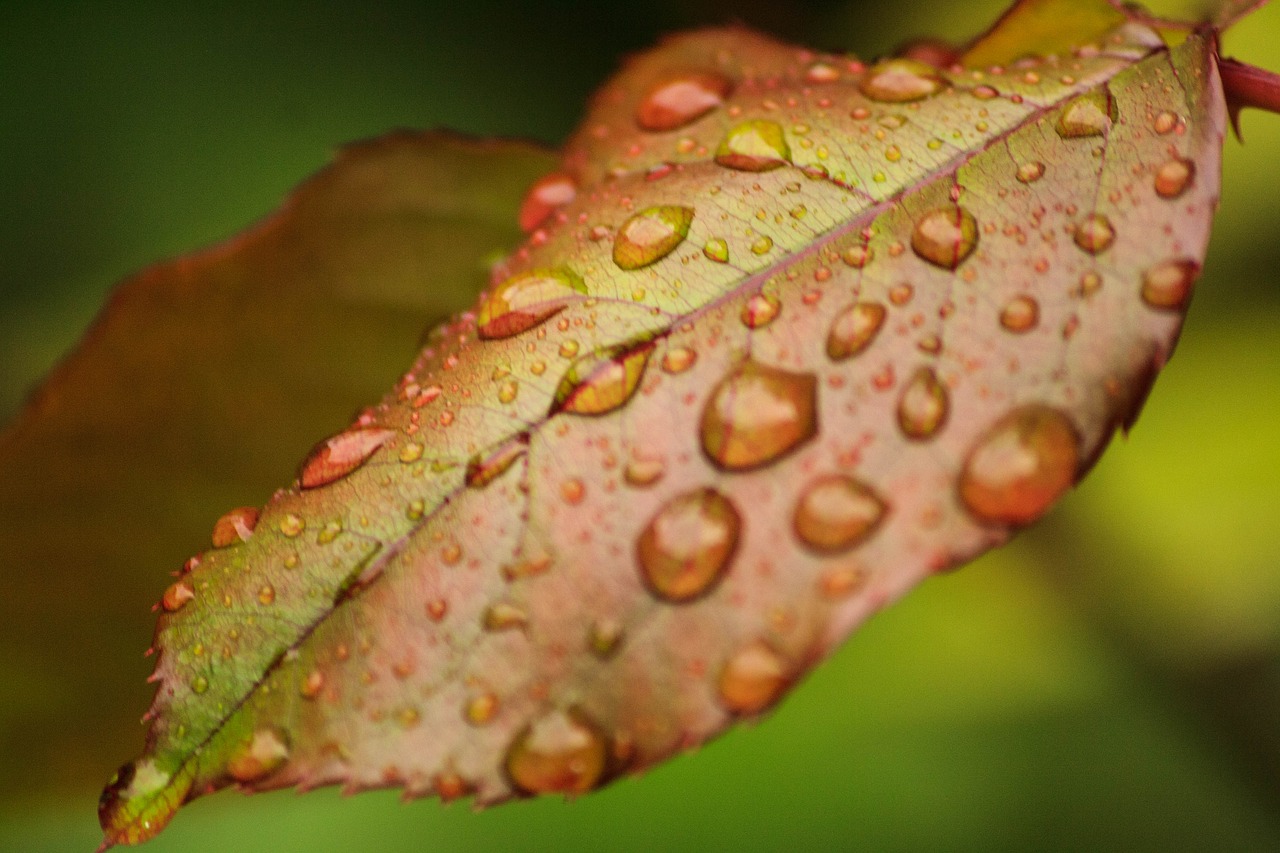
(1248, 86)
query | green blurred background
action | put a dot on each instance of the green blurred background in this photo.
(1111, 680)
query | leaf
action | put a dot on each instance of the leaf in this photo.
(806, 333)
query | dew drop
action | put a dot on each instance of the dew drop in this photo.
(1167, 286)
(263, 754)
(526, 300)
(1174, 177)
(686, 548)
(651, 235)
(1020, 466)
(604, 637)
(199, 684)
(1021, 314)
(1029, 173)
(1165, 123)
(547, 195)
(757, 414)
(336, 457)
(560, 752)
(857, 257)
(753, 678)
(762, 245)
(177, 596)
(754, 146)
(292, 525)
(642, 473)
(1090, 114)
(716, 249)
(312, 684)
(836, 513)
(945, 236)
(504, 617)
(760, 310)
(1095, 234)
(573, 491)
(483, 470)
(266, 594)
(599, 384)
(854, 329)
(679, 101)
(924, 405)
(235, 526)
(481, 709)
(678, 359)
(901, 80)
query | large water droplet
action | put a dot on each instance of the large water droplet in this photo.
(836, 513)
(263, 754)
(651, 235)
(1021, 314)
(760, 310)
(754, 146)
(854, 329)
(1090, 114)
(525, 300)
(1020, 466)
(1168, 285)
(945, 236)
(1173, 178)
(1095, 234)
(757, 414)
(678, 101)
(483, 470)
(924, 405)
(601, 383)
(562, 751)
(234, 526)
(753, 678)
(685, 549)
(547, 195)
(901, 80)
(336, 457)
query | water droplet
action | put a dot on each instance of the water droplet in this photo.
(266, 594)
(1029, 173)
(483, 470)
(717, 249)
(235, 526)
(1020, 466)
(1168, 285)
(336, 457)
(263, 754)
(854, 329)
(1090, 114)
(752, 679)
(177, 596)
(924, 405)
(1165, 123)
(857, 257)
(601, 383)
(292, 525)
(685, 549)
(901, 80)
(437, 608)
(762, 245)
(651, 235)
(312, 684)
(199, 684)
(573, 491)
(760, 310)
(945, 236)
(508, 391)
(411, 452)
(568, 348)
(642, 473)
(1021, 314)
(1095, 234)
(604, 637)
(504, 617)
(1173, 178)
(836, 513)
(547, 195)
(561, 752)
(679, 101)
(678, 359)
(526, 300)
(481, 709)
(757, 414)
(754, 146)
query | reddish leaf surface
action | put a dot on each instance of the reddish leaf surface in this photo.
(789, 335)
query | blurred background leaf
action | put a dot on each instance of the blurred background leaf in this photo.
(1110, 680)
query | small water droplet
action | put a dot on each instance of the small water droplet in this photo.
(1167, 286)
(604, 637)
(437, 608)
(643, 472)
(177, 596)
(263, 754)
(678, 359)
(758, 414)
(560, 752)
(753, 678)
(762, 245)
(266, 594)
(1029, 173)
(1090, 114)
(651, 235)
(836, 513)
(857, 257)
(1095, 234)
(600, 383)
(686, 548)
(572, 491)
(901, 80)
(924, 405)
(1165, 123)
(527, 300)
(754, 146)
(1021, 314)
(235, 526)
(854, 329)
(483, 470)
(292, 525)
(312, 684)
(199, 684)
(508, 391)
(547, 195)
(336, 457)
(504, 617)
(678, 101)
(1174, 177)
(481, 709)
(945, 236)
(717, 249)
(411, 452)
(760, 310)
(449, 786)
(1020, 466)
(568, 348)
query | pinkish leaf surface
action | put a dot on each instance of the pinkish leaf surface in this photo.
(790, 334)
